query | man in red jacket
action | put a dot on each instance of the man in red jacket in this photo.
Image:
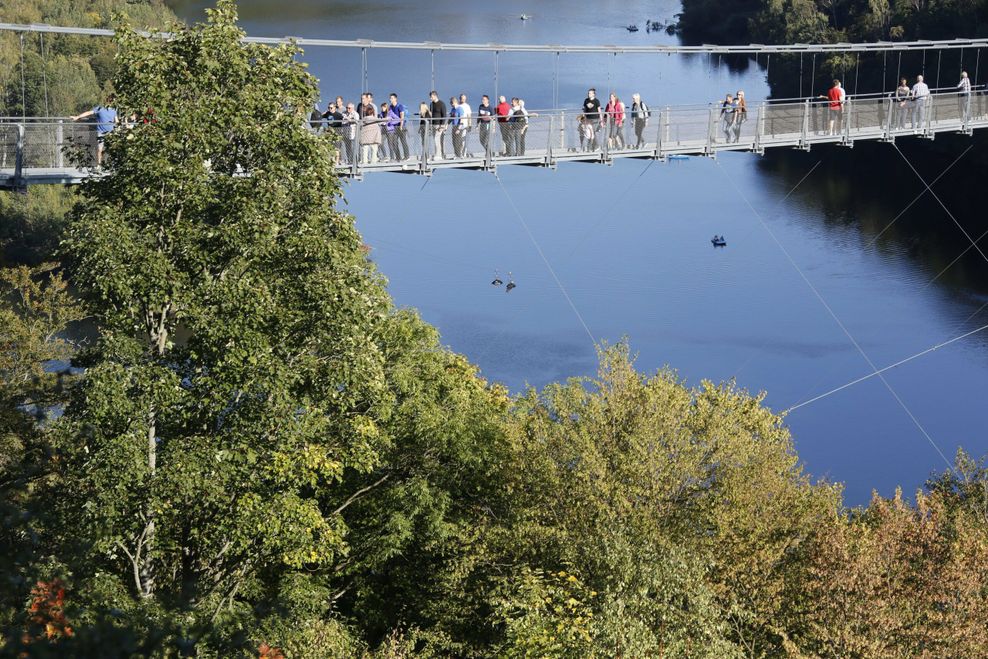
(503, 110)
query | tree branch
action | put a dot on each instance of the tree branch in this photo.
(359, 493)
(134, 562)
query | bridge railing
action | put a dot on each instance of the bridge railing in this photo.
(547, 137)
(43, 144)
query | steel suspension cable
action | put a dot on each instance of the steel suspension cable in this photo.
(977, 63)
(44, 72)
(939, 60)
(609, 89)
(885, 57)
(857, 63)
(882, 370)
(813, 77)
(555, 82)
(800, 75)
(363, 70)
(432, 56)
(898, 71)
(834, 315)
(545, 260)
(496, 82)
(23, 84)
(942, 205)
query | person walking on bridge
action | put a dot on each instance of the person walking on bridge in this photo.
(920, 94)
(615, 119)
(964, 97)
(740, 114)
(727, 108)
(639, 119)
(503, 111)
(591, 110)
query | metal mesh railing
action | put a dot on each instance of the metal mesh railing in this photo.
(48, 144)
(543, 138)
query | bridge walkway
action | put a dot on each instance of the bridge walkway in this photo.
(37, 151)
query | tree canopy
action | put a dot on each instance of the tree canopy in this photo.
(258, 455)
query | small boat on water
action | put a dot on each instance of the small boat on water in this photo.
(632, 28)
(718, 241)
(525, 17)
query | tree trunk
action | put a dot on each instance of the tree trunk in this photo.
(158, 335)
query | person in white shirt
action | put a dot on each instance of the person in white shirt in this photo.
(964, 97)
(466, 121)
(920, 95)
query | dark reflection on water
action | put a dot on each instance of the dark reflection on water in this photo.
(630, 243)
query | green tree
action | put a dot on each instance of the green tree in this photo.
(683, 511)
(237, 377)
(35, 308)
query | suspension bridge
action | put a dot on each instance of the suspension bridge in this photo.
(34, 150)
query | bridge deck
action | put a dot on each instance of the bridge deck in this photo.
(35, 151)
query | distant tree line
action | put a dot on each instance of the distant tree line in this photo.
(259, 455)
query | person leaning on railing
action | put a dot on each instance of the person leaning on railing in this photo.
(106, 121)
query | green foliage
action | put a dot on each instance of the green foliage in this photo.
(35, 308)
(823, 21)
(683, 509)
(264, 458)
(31, 224)
(547, 615)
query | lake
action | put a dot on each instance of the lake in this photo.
(630, 243)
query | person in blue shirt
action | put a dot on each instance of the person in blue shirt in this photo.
(106, 121)
(401, 130)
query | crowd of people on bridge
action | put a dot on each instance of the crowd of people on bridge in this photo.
(907, 103)
(367, 133)
(381, 132)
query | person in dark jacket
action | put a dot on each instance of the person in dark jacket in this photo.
(425, 125)
(484, 114)
(591, 110)
(439, 120)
